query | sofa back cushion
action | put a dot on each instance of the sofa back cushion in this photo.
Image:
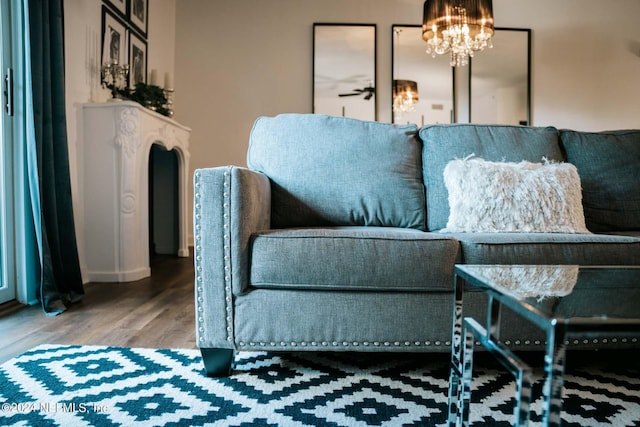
(328, 170)
(609, 168)
(497, 143)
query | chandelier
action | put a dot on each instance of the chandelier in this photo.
(405, 92)
(458, 27)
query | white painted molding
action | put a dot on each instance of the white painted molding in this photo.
(117, 141)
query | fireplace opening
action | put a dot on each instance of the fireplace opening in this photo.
(164, 232)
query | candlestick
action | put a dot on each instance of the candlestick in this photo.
(168, 93)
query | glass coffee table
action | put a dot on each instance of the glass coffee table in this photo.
(567, 302)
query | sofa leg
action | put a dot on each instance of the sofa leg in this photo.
(217, 361)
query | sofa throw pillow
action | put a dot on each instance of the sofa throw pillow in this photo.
(609, 166)
(513, 197)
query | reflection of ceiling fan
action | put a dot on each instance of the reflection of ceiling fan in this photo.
(333, 82)
(368, 92)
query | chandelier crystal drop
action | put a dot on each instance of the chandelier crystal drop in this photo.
(458, 27)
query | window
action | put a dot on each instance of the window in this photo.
(7, 247)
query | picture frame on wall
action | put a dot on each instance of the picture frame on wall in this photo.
(138, 15)
(114, 38)
(119, 5)
(137, 60)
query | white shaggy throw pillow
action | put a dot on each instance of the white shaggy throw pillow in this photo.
(520, 197)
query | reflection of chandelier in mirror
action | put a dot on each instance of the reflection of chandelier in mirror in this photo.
(405, 95)
(405, 92)
(460, 27)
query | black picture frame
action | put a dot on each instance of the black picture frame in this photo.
(435, 77)
(138, 14)
(119, 6)
(355, 79)
(137, 60)
(113, 42)
(518, 68)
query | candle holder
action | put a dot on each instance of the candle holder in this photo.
(114, 77)
(168, 93)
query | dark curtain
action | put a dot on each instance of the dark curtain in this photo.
(61, 278)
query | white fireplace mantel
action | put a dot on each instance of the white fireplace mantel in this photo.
(117, 141)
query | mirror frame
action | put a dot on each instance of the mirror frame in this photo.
(452, 114)
(528, 79)
(351, 84)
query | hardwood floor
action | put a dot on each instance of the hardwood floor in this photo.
(155, 312)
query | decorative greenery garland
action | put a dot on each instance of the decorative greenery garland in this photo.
(149, 96)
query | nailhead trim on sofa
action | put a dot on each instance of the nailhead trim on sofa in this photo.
(226, 254)
(336, 344)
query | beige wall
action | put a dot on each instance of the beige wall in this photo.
(237, 60)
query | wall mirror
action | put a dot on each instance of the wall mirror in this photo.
(434, 78)
(344, 70)
(500, 80)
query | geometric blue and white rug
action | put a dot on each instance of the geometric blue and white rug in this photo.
(55, 385)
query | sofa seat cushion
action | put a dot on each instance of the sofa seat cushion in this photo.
(353, 258)
(337, 171)
(631, 233)
(548, 248)
(496, 143)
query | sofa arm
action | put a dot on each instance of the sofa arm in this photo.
(230, 204)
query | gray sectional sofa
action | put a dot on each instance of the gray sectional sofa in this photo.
(331, 239)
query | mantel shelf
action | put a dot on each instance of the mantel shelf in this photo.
(122, 103)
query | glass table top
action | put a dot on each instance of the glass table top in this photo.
(564, 292)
